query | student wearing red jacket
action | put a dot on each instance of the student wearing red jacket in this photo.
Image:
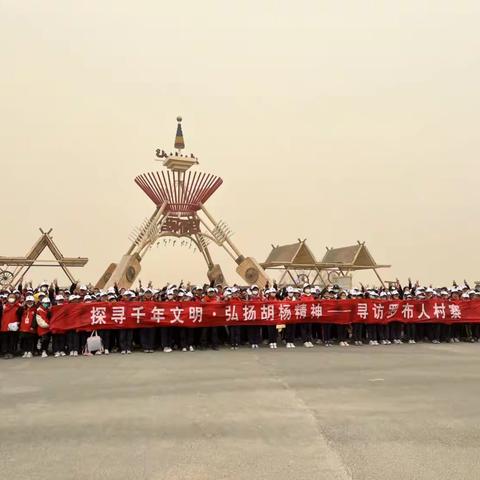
(42, 318)
(28, 326)
(9, 326)
(272, 330)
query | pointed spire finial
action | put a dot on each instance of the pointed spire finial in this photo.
(179, 143)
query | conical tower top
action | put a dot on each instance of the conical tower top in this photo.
(179, 142)
(177, 161)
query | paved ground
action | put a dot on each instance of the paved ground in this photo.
(397, 412)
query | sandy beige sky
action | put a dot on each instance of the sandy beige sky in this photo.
(330, 120)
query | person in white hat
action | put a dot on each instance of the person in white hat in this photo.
(28, 326)
(10, 320)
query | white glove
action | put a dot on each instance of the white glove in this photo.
(13, 327)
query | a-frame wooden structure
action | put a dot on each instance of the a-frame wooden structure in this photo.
(23, 264)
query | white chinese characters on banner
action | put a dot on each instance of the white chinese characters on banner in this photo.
(118, 314)
(137, 313)
(249, 313)
(267, 312)
(177, 315)
(195, 314)
(157, 314)
(231, 314)
(98, 315)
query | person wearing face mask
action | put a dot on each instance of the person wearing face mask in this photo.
(306, 328)
(290, 327)
(10, 320)
(42, 319)
(186, 334)
(125, 335)
(209, 334)
(28, 326)
(165, 332)
(272, 331)
(254, 332)
(147, 334)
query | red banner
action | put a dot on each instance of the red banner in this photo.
(117, 315)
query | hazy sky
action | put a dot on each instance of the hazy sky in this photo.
(331, 120)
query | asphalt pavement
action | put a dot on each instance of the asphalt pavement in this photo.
(366, 413)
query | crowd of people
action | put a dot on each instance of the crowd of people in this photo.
(25, 313)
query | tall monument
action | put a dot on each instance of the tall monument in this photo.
(179, 195)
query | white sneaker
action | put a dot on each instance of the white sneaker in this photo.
(75, 353)
(383, 342)
(184, 349)
(44, 354)
(98, 352)
(191, 348)
(71, 353)
(56, 354)
(63, 354)
(290, 345)
(24, 355)
(129, 352)
(167, 350)
(457, 340)
(254, 345)
(107, 351)
(29, 355)
(123, 352)
(271, 345)
(274, 345)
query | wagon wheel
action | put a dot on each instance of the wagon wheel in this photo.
(6, 277)
(302, 278)
(333, 277)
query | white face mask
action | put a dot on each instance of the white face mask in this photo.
(307, 291)
(44, 289)
(290, 294)
(169, 297)
(11, 299)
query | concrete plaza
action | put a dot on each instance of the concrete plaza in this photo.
(366, 413)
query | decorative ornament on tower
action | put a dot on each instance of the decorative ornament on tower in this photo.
(179, 196)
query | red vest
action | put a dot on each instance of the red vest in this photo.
(43, 314)
(9, 315)
(27, 323)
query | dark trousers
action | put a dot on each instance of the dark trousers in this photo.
(396, 330)
(371, 332)
(27, 342)
(327, 332)
(357, 330)
(434, 331)
(186, 337)
(342, 333)
(73, 341)
(410, 331)
(125, 339)
(306, 332)
(446, 332)
(45, 342)
(165, 337)
(58, 342)
(382, 332)
(147, 338)
(106, 336)
(8, 342)
(254, 333)
(209, 335)
(272, 333)
(290, 333)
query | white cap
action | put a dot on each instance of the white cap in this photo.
(111, 290)
(46, 300)
(465, 295)
(29, 298)
(290, 289)
(59, 297)
(72, 297)
(83, 287)
(87, 297)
